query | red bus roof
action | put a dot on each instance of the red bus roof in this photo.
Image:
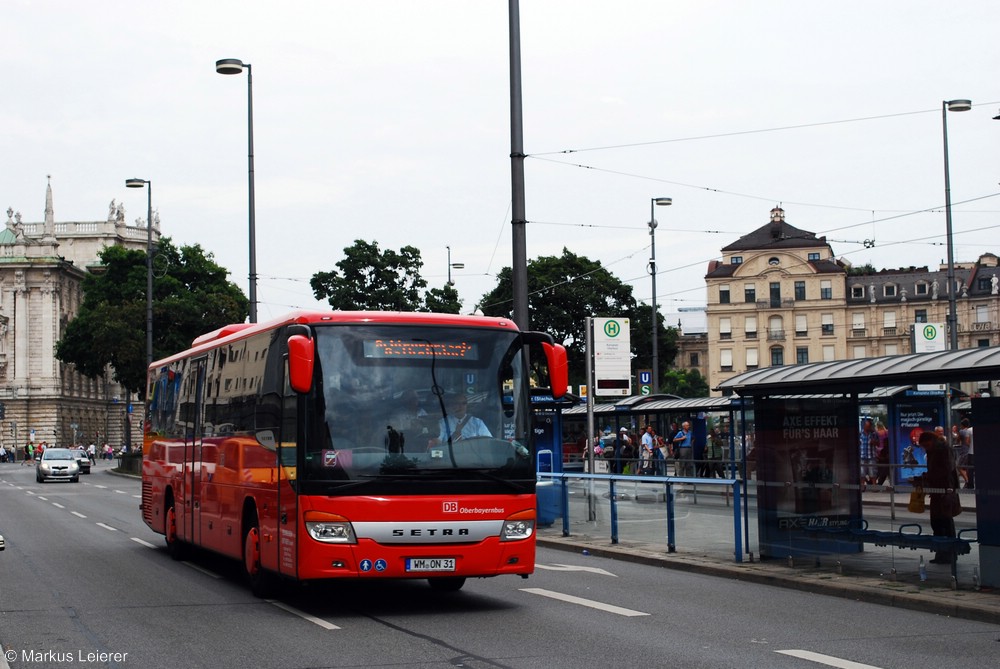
(237, 331)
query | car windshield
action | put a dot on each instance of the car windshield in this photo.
(59, 454)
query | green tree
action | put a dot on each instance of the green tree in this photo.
(562, 292)
(191, 295)
(373, 280)
(684, 383)
(442, 300)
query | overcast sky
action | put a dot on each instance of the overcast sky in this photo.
(390, 121)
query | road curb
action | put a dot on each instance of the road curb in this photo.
(978, 606)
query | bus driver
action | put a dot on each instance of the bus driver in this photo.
(458, 423)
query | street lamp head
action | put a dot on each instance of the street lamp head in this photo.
(663, 201)
(230, 66)
(959, 105)
(135, 183)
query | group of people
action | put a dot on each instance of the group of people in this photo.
(30, 452)
(650, 453)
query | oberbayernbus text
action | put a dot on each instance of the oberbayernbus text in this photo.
(333, 445)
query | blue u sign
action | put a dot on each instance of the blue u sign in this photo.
(645, 378)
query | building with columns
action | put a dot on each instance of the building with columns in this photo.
(779, 296)
(42, 267)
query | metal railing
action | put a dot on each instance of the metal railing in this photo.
(732, 488)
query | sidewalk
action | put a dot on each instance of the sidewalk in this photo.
(879, 575)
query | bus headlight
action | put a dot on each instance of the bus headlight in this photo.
(329, 528)
(519, 526)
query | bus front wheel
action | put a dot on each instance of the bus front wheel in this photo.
(261, 582)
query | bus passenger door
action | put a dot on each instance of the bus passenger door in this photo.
(192, 458)
(287, 477)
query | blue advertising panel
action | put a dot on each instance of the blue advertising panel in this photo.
(807, 450)
(910, 418)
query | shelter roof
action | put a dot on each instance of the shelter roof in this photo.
(865, 374)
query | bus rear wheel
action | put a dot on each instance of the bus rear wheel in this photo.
(175, 547)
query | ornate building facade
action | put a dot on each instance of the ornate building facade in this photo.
(779, 296)
(42, 267)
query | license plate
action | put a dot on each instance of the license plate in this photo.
(430, 564)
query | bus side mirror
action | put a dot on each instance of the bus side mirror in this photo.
(555, 354)
(301, 359)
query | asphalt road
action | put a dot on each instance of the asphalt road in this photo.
(85, 583)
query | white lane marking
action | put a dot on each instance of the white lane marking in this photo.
(29, 492)
(58, 505)
(601, 606)
(102, 487)
(78, 514)
(305, 616)
(107, 527)
(828, 660)
(570, 567)
(140, 541)
(121, 492)
(204, 571)
(137, 496)
(44, 499)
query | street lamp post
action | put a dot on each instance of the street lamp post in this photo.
(653, 203)
(947, 106)
(139, 183)
(236, 66)
(455, 265)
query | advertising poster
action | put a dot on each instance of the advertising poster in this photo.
(807, 448)
(912, 418)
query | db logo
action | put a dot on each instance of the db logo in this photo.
(450, 507)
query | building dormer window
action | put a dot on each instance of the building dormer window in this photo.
(813, 256)
(889, 290)
(920, 288)
(736, 260)
(857, 292)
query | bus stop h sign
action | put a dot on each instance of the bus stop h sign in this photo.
(612, 357)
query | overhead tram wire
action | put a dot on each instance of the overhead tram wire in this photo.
(745, 132)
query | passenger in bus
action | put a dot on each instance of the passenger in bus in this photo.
(459, 424)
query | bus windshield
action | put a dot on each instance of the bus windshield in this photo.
(398, 402)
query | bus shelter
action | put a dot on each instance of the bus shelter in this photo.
(806, 437)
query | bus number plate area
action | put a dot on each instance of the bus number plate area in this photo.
(430, 564)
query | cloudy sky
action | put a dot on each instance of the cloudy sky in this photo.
(389, 120)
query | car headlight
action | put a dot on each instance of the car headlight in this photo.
(519, 526)
(44, 466)
(329, 528)
(74, 466)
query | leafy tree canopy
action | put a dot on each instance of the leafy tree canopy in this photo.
(563, 291)
(373, 280)
(684, 383)
(191, 295)
(442, 300)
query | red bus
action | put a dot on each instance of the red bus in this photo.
(328, 445)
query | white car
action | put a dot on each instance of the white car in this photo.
(57, 464)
